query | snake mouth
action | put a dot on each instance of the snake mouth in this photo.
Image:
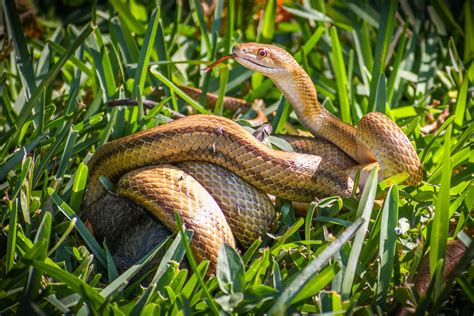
(248, 62)
(267, 69)
(254, 62)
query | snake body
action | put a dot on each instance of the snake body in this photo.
(289, 175)
(145, 164)
(377, 138)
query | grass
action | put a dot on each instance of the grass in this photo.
(412, 62)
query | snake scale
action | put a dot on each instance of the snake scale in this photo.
(217, 176)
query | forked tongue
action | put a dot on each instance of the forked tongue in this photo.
(217, 62)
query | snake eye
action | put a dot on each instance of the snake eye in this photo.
(262, 52)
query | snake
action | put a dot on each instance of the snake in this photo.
(218, 177)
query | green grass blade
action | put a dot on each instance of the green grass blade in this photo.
(109, 128)
(125, 277)
(444, 12)
(67, 153)
(78, 186)
(381, 94)
(364, 56)
(341, 76)
(387, 22)
(126, 14)
(103, 66)
(281, 116)
(223, 76)
(163, 55)
(81, 227)
(463, 139)
(46, 158)
(311, 42)
(267, 23)
(66, 233)
(388, 242)
(365, 12)
(192, 284)
(34, 277)
(316, 284)
(251, 251)
(123, 38)
(199, 17)
(177, 90)
(427, 148)
(112, 272)
(364, 211)
(461, 104)
(145, 51)
(426, 72)
(291, 230)
(170, 253)
(27, 108)
(308, 13)
(72, 282)
(192, 262)
(216, 24)
(291, 290)
(230, 27)
(18, 156)
(11, 239)
(16, 32)
(463, 264)
(440, 224)
(396, 67)
(307, 224)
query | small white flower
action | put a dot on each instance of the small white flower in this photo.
(403, 225)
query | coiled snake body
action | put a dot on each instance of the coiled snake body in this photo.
(176, 167)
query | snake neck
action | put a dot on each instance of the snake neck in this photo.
(299, 90)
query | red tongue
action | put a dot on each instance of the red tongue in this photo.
(219, 61)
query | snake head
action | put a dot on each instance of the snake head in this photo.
(270, 60)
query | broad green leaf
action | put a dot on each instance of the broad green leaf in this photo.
(230, 270)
